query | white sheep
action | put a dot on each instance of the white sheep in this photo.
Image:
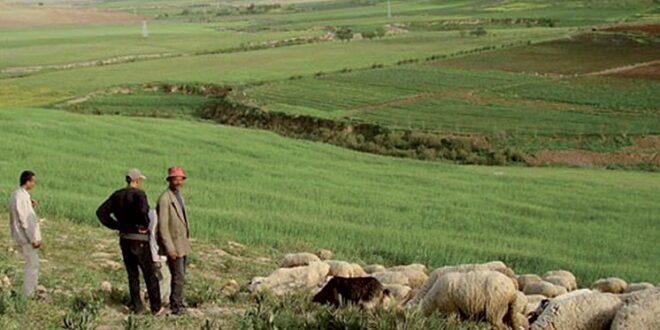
(640, 311)
(632, 287)
(324, 254)
(478, 295)
(370, 269)
(298, 259)
(345, 269)
(533, 302)
(583, 311)
(561, 277)
(424, 289)
(544, 288)
(286, 280)
(525, 279)
(388, 277)
(399, 293)
(412, 267)
(610, 284)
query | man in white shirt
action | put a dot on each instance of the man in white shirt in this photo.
(25, 229)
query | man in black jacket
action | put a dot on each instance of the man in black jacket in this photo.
(127, 211)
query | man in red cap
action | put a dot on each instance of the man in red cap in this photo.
(174, 234)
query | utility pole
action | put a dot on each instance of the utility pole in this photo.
(145, 30)
(389, 9)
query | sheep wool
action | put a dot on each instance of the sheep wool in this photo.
(324, 254)
(286, 280)
(632, 287)
(544, 288)
(388, 277)
(298, 259)
(400, 293)
(525, 279)
(640, 311)
(374, 269)
(610, 284)
(344, 269)
(424, 289)
(477, 295)
(533, 302)
(587, 311)
(412, 267)
(563, 278)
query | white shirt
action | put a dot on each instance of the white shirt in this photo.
(23, 220)
(153, 243)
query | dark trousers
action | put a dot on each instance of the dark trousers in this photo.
(178, 271)
(137, 256)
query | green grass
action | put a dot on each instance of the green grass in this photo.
(262, 65)
(145, 104)
(434, 98)
(64, 45)
(264, 190)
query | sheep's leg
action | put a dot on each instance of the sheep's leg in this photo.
(424, 289)
(495, 315)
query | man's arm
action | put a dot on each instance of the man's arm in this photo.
(28, 220)
(164, 227)
(104, 213)
(143, 206)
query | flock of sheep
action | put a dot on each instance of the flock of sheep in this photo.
(490, 291)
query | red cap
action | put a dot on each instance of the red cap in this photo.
(175, 171)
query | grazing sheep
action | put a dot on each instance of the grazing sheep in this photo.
(525, 279)
(324, 254)
(632, 287)
(611, 285)
(533, 302)
(400, 293)
(544, 288)
(415, 278)
(286, 280)
(560, 281)
(366, 292)
(640, 311)
(561, 277)
(478, 295)
(345, 269)
(298, 259)
(387, 277)
(374, 269)
(424, 289)
(412, 267)
(585, 311)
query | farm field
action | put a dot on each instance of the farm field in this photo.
(310, 124)
(261, 189)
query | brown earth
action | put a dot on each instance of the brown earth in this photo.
(648, 28)
(24, 17)
(645, 150)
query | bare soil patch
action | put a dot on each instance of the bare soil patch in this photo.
(26, 17)
(648, 28)
(645, 150)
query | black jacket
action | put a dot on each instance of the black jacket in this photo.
(126, 210)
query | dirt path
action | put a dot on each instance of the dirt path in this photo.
(623, 69)
(113, 60)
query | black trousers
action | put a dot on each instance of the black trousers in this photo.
(178, 271)
(137, 256)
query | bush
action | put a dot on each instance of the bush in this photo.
(478, 32)
(344, 33)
